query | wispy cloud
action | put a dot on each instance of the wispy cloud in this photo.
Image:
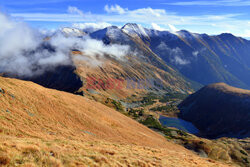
(142, 11)
(75, 10)
(91, 27)
(212, 3)
(157, 27)
(172, 28)
(115, 14)
(115, 9)
(22, 52)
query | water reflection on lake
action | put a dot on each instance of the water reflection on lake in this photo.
(179, 124)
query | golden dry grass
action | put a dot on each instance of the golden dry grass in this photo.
(44, 127)
(37, 152)
(133, 69)
(229, 89)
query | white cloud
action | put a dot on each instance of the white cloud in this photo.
(211, 24)
(143, 11)
(25, 52)
(195, 53)
(48, 32)
(180, 61)
(177, 57)
(148, 11)
(22, 52)
(157, 27)
(172, 28)
(115, 9)
(94, 47)
(17, 45)
(91, 27)
(175, 54)
(245, 33)
(75, 10)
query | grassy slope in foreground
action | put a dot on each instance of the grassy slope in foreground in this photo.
(44, 127)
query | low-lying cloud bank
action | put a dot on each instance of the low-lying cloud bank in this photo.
(91, 27)
(176, 55)
(25, 52)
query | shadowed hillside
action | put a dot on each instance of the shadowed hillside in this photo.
(219, 110)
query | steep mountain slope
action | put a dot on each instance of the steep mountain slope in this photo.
(52, 128)
(205, 59)
(143, 60)
(219, 110)
(136, 31)
(199, 57)
(187, 59)
(233, 53)
(140, 64)
(128, 77)
(141, 50)
(61, 78)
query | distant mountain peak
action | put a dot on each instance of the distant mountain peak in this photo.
(130, 24)
(112, 33)
(185, 34)
(112, 27)
(72, 31)
(227, 36)
(134, 29)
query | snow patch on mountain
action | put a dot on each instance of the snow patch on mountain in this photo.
(110, 34)
(135, 29)
(72, 31)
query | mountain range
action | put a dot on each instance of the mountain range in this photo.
(142, 73)
(199, 59)
(174, 62)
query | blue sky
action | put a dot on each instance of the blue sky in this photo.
(202, 16)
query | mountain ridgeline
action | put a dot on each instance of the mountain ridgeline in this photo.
(200, 58)
(182, 60)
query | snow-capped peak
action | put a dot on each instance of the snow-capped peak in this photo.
(72, 31)
(133, 29)
(111, 33)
